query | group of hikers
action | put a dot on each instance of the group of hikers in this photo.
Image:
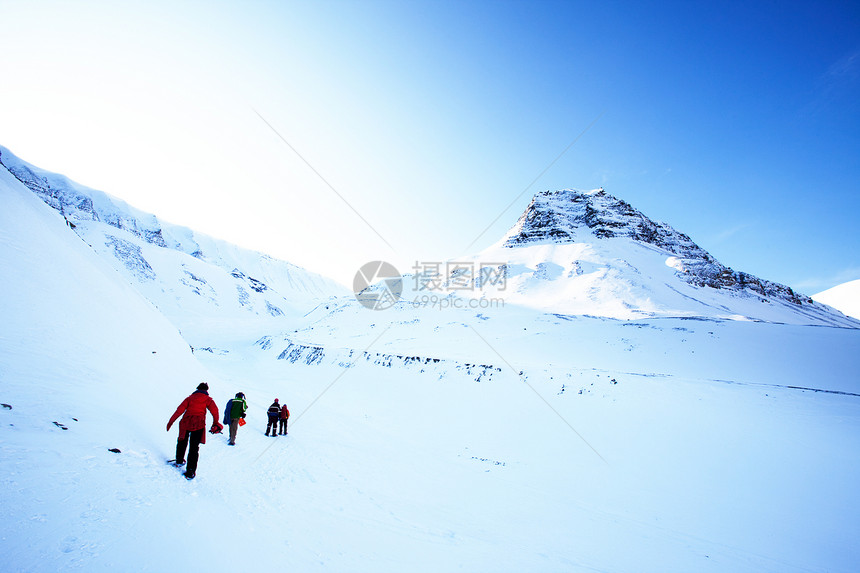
(192, 426)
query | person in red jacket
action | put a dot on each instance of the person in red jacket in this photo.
(192, 426)
(282, 420)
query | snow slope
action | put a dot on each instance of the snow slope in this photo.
(195, 280)
(845, 297)
(422, 438)
(86, 365)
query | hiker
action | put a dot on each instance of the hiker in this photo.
(274, 413)
(282, 420)
(192, 427)
(234, 413)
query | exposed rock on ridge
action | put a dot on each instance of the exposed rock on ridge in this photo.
(570, 216)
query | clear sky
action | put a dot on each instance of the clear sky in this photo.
(330, 133)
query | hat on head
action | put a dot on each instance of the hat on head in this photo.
(240, 395)
(276, 399)
(203, 386)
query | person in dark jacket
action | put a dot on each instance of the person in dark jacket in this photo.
(236, 409)
(274, 412)
(192, 426)
(282, 420)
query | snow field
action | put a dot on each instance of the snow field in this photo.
(703, 469)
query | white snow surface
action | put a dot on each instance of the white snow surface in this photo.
(422, 438)
(624, 279)
(844, 297)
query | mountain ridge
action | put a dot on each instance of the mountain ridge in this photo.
(206, 280)
(78, 203)
(570, 252)
(606, 216)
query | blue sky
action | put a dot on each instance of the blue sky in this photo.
(411, 126)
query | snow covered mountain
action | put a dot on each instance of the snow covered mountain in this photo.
(845, 297)
(574, 263)
(437, 435)
(586, 252)
(195, 280)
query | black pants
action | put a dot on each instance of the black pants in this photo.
(195, 438)
(272, 425)
(283, 426)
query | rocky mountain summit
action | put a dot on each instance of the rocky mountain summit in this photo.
(571, 216)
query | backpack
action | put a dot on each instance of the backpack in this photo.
(227, 409)
(240, 406)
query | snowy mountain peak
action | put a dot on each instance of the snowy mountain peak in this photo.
(604, 257)
(570, 215)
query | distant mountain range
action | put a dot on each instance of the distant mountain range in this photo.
(570, 252)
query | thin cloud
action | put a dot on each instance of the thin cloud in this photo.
(841, 78)
(845, 69)
(727, 234)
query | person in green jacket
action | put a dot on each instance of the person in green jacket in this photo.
(238, 407)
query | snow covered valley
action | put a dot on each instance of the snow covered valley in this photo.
(421, 439)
